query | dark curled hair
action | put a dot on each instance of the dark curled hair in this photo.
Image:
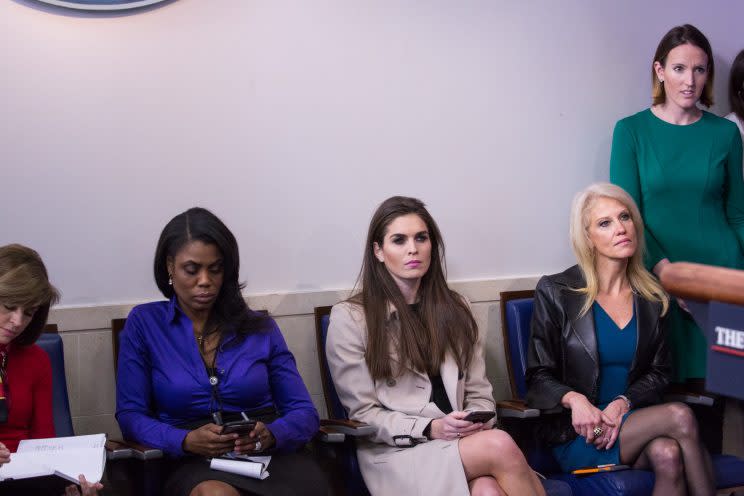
(682, 35)
(736, 86)
(199, 224)
(24, 282)
(445, 323)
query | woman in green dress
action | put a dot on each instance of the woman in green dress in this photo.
(682, 166)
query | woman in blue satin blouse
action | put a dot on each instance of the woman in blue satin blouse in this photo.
(202, 357)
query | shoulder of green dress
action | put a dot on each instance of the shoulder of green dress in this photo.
(719, 122)
(634, 121)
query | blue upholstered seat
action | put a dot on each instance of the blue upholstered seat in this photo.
(352, 475)
(52, 344)
(729, 470)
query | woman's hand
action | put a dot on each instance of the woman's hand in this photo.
(4, 454)
(89, 488)
(585, 417)
(207, 441)
(452, 426)
(614, 411)
(247, 445)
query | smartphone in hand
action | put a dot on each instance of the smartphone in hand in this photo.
(241, 427)
(480, 416)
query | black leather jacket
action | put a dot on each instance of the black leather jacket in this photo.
(563, 356)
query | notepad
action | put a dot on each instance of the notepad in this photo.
(249, 466)
(66, 457)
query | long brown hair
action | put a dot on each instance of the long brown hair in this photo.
(736, 86)
(445, 323)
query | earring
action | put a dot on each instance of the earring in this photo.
(170, 280)
(661, 81)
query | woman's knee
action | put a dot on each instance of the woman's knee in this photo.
(502, 443)
(485, 486)
(214, 488)
(683, 421)
(666, 458)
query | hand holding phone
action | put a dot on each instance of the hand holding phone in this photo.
(480, 416)
(241, 427)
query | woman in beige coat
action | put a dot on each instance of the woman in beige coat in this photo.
(406, 358)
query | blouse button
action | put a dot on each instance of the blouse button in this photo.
(391, 382)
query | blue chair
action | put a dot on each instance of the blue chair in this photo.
(516, 317)
(51, 342)
(353, 483)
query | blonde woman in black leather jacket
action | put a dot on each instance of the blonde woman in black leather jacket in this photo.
(598, 349)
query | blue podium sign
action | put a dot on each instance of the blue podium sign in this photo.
(725, 335)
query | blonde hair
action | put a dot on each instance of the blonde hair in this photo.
(24, 283)
(641, 280)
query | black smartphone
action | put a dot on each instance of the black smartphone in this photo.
(480, 416)
(242, 427)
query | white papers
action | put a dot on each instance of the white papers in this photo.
(249, 466)
(67, 457)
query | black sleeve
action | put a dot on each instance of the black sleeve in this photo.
(544, 358)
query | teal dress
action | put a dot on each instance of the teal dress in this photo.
(687, 183)
(616, 348)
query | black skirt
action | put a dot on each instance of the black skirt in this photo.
(291, 474)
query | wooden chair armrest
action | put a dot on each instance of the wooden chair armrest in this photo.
(689, 398)
(328, 434)
(119, 449)
(515, 409)
(348, 427)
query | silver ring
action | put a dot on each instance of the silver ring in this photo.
(598, 431)
(257, 447)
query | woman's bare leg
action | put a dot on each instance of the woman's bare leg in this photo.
(494, 453)
(214, 488)
(485, 486)
(673, 421)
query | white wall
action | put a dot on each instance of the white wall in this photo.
(293, 120)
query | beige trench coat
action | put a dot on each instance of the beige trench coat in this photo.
(400, 407)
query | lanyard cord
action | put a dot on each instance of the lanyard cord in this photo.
(213, 380)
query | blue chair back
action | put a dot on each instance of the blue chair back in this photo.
(52, 344)
(517, 316)
(353, 481)
(333, 404)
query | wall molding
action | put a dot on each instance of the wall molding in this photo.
(86, 317)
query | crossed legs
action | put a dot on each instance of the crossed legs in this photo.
(664, 438)
(494, 465)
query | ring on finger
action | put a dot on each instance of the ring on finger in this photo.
(598, 431)
(257, 447)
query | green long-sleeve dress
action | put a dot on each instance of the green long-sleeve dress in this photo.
(687, 182)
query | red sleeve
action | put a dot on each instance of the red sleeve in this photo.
(42, 421)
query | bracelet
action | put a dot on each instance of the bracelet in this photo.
(625, 399)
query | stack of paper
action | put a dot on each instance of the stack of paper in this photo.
(249, 466)
(66, 457)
